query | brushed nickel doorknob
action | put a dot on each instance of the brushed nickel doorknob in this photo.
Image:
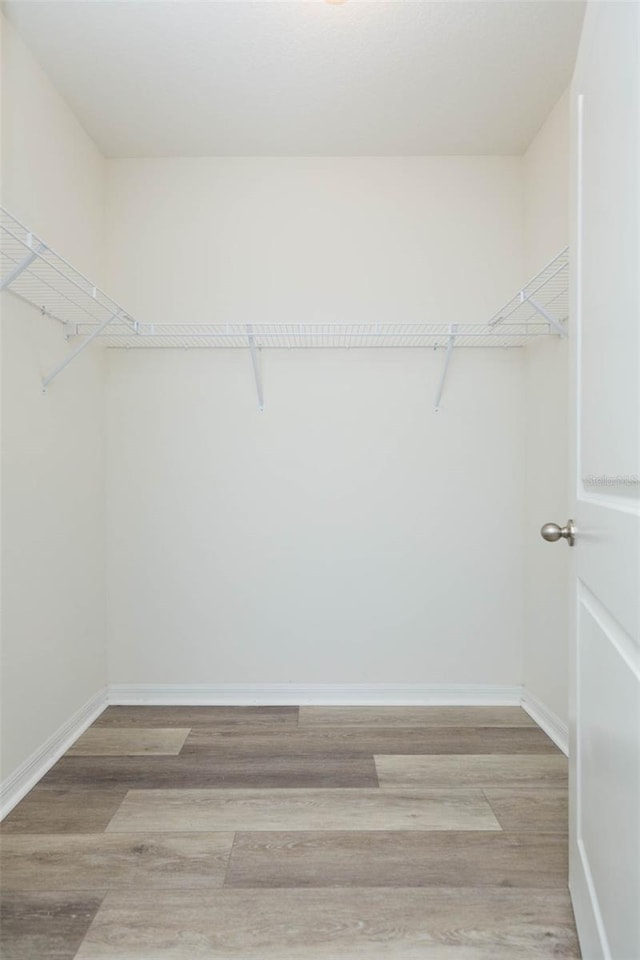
(553, 532)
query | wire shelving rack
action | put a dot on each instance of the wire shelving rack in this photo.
(32, 271)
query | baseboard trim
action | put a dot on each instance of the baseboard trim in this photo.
(319, 694)
(547, 720)
(41, 760)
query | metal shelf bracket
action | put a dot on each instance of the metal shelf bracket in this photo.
(22, 266)
(551, 320)
(79, 349)
(447, 359)
(255, 363)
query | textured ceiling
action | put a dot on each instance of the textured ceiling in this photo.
(305, 77)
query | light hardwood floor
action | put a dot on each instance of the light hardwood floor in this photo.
(272, 833)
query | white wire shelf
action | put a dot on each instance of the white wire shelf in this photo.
(539, 309)
(31, 270)
(287, 336)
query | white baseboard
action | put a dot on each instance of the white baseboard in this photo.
(547, 720)
(319, 694)
(34, 767)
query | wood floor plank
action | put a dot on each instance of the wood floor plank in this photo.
(174, 810)
(535, 811)
(415, 717)
(45, 925)
(397, 859)
(45, 809)
(202, 771)
(131, 742)
(187, 716)
(514, 771)
(451, 845)
(427, 924)
(110, 861)
(354, 740)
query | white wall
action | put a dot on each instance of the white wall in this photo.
(546, 192)
(348, 534)
(53, 553)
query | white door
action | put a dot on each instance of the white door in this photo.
(605, 655)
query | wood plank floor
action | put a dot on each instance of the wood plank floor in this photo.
(272, 833)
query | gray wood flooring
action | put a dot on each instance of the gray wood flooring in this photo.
(272, 833)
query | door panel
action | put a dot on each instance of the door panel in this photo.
(609, 408)
(606, 755)
(605, 661)
(609, 560)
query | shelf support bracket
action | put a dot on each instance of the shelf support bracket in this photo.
(22, 266)
(551, 320)
(76, 353)
(447, 359)
(255, 363)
